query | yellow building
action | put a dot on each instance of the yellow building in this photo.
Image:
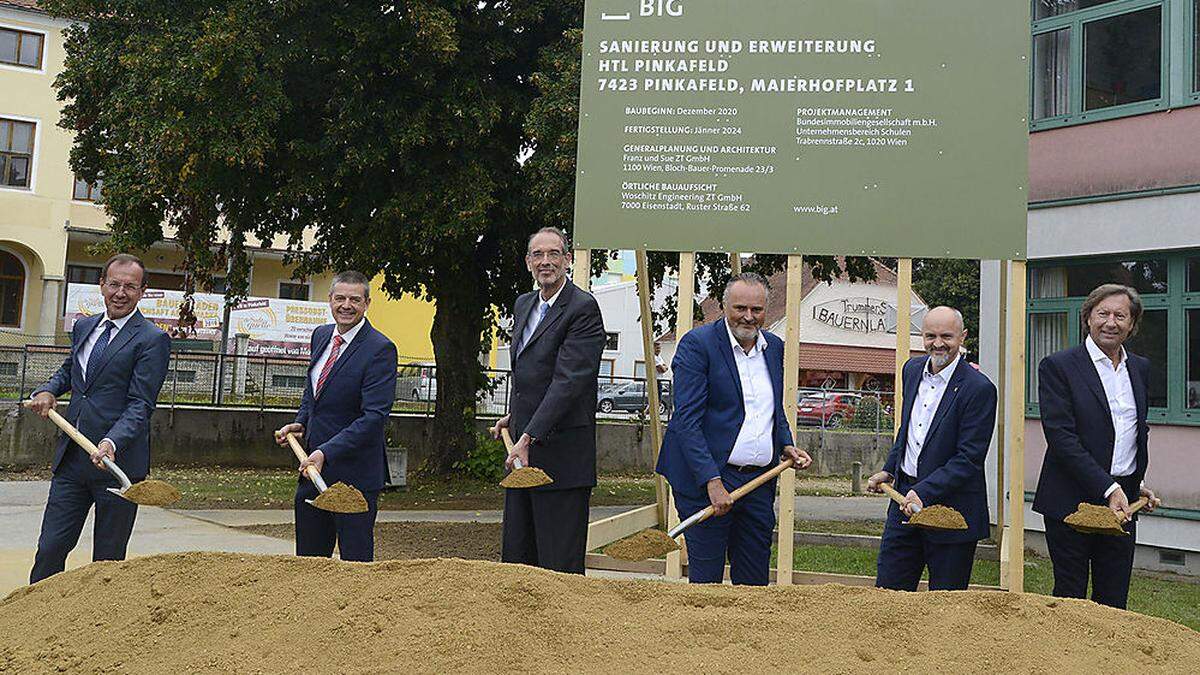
(48, 219)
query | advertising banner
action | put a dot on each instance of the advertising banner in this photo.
(858, 127)
(161, 307)
(276, 327)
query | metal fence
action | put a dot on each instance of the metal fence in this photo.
(246, 381)
(255, 381)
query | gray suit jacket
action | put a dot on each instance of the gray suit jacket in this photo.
(554, 386)
(117, 400)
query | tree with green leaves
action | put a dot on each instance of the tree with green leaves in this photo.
(391, 131)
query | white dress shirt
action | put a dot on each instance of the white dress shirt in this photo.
(1123, 407)
(85, 352)
(347, 337)
(755, 444)
(532, 321)
(925, 405)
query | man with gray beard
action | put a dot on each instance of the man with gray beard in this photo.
(946, 427)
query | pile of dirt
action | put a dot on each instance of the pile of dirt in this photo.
(641, 546)
(341, 498)
(938, 517)
(406, 541)
(228, 612)
(1095, 519)
(151, 492)
(526, 477)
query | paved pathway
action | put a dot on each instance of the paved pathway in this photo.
(155, 531)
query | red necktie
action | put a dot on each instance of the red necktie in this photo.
(333, 356)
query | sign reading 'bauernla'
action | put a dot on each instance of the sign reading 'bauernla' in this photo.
(881, 127)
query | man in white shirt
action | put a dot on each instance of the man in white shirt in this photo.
(1093, 401)
(114, 372)
(729, 427)
(946, 427)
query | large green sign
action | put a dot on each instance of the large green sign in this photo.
(884, 127)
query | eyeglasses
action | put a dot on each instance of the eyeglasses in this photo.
(553, 255)
(114, 286)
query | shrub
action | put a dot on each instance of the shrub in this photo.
(486, 461)
(870, 415)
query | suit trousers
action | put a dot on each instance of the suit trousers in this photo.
(742, 536)
(546, 528)
(76, 485)
(905, 552)
(318, 530)
(1109, 558)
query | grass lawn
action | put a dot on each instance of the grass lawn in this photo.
(219, 487)
(1177, 599)
(242, 488)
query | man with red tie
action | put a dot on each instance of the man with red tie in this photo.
(343, 417)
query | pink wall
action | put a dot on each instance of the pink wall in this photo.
(1131, 153)
(1174, 462)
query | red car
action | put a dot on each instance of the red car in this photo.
(827, 409)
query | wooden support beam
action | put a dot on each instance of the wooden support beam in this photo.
(735, 263)
(1001, 416)
(683, 324)
(1015, 417)
(656, 432)
(903, 335)
(581, 268)
(606, 531)
(791, 381)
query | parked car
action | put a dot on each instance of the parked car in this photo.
(417, 382)
(828, 409)
(631, 397)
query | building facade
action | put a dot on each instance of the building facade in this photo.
(1114, 184)
(49, 219)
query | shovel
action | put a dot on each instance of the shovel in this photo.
(653, 543)
(340, 498)
(934, 517)
(522, 476)
(148, 492)
(1096, 519)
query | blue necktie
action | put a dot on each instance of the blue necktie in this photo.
(537, 319)
(97, 354)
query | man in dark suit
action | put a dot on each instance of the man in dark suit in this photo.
(343, 418)
(1093, 409)
(946, 426)
(729, 426)
(117, 365)
(558, 337)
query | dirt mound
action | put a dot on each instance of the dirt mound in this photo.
(228, 612)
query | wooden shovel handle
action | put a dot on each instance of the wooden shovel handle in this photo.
(508, 441)
(310, 471)
(707, 512)
(766, 476)
(891, 492)
(68, 428)
(1137, 506)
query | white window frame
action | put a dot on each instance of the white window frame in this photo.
(20, 327)
(45, 52)
(37, 151)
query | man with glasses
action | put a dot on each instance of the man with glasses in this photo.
(117, 365)
(343, 417)
(1093, 407)
(557, 339)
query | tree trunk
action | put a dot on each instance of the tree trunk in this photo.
(458, 323)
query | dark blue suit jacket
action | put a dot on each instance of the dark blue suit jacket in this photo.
(709, 409)
(1079, 431)
(348, 421)
(118, 398)
(950, 466)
